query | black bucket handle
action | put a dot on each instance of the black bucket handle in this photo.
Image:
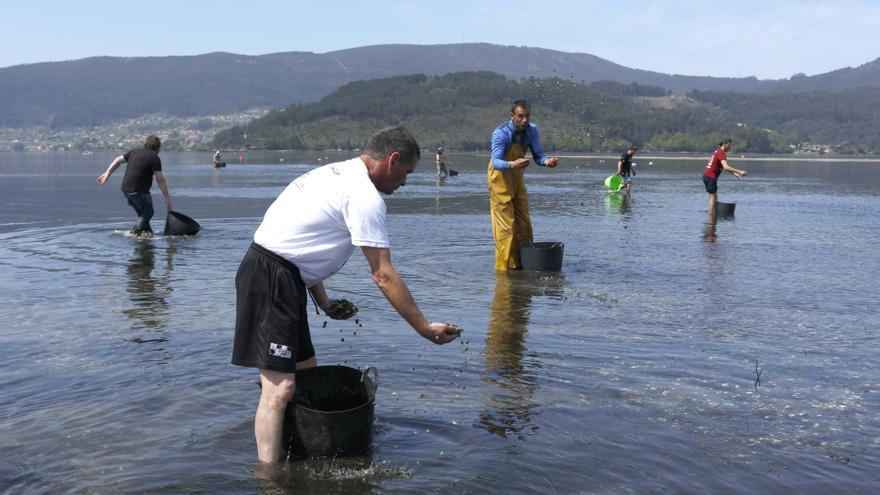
(371, 382)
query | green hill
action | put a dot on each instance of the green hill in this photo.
(847, 118)
(460, 110)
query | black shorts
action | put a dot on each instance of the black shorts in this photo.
(271, 313)
(711, 184)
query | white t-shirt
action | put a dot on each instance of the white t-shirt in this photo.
(321, 216)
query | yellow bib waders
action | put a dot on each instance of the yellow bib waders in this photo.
(509, 206)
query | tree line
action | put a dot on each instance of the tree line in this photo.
(459, 111)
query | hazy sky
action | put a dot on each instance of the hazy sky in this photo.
(767, 39)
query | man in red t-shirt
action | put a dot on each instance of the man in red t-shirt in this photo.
(713, 170)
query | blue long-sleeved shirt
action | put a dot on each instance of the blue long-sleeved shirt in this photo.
(506, 134)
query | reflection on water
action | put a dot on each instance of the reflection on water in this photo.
(215, 179)
(710, 233)
(618, 203)
(148, 292)
(438, 194)
(634, 373)
(510, 403)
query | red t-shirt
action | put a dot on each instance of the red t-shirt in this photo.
(714, 167)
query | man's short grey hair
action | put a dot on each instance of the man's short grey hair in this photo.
(391, 139)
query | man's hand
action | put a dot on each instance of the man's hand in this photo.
(441, 333)
(340, 309)
(551, 162)
(519, 163)
(102, 179)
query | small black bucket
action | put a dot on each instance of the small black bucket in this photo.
(724, 209)
(180, 224)
(542, 256)
(331, 412)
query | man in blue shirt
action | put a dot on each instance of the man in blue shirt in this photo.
(508, 198)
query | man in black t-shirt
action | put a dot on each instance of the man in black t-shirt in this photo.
(143, 164)
(624, 167)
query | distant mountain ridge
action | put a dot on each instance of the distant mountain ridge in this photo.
(100, 89)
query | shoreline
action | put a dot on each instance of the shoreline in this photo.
(771, 158)
(690, 156)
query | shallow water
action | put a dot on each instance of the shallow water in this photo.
(669, 355)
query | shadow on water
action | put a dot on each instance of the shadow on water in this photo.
(510, 405)
(148, 291)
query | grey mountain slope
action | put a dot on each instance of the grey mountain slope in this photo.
(100, 89)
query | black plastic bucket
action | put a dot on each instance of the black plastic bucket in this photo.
(332, 411)
(724, 209)
(542, 256)
(180, 224)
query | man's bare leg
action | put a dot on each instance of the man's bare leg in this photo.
(277, 390)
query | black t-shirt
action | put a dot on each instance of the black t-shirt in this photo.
(626, 164)
(142, 164)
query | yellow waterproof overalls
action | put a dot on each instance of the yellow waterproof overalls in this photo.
(509, 205)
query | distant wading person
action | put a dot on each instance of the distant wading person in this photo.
(307, 235)
(442, 171)
(508, 199)
(624, 167)
(712, 172)
(143, 164)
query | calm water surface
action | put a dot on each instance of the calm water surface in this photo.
(669, 356)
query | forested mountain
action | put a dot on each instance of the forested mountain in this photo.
(848, 118)
(460, 110)
(864, 76)
(100, 89)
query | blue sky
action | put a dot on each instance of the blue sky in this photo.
(767, 39)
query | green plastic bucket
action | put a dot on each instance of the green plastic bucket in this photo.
(614, 182)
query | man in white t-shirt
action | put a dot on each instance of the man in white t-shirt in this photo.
(307, 235)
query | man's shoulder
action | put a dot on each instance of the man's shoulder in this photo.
(532, 131)
(352, 165)
(353, 174)
(144, 153)
(502, 128)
